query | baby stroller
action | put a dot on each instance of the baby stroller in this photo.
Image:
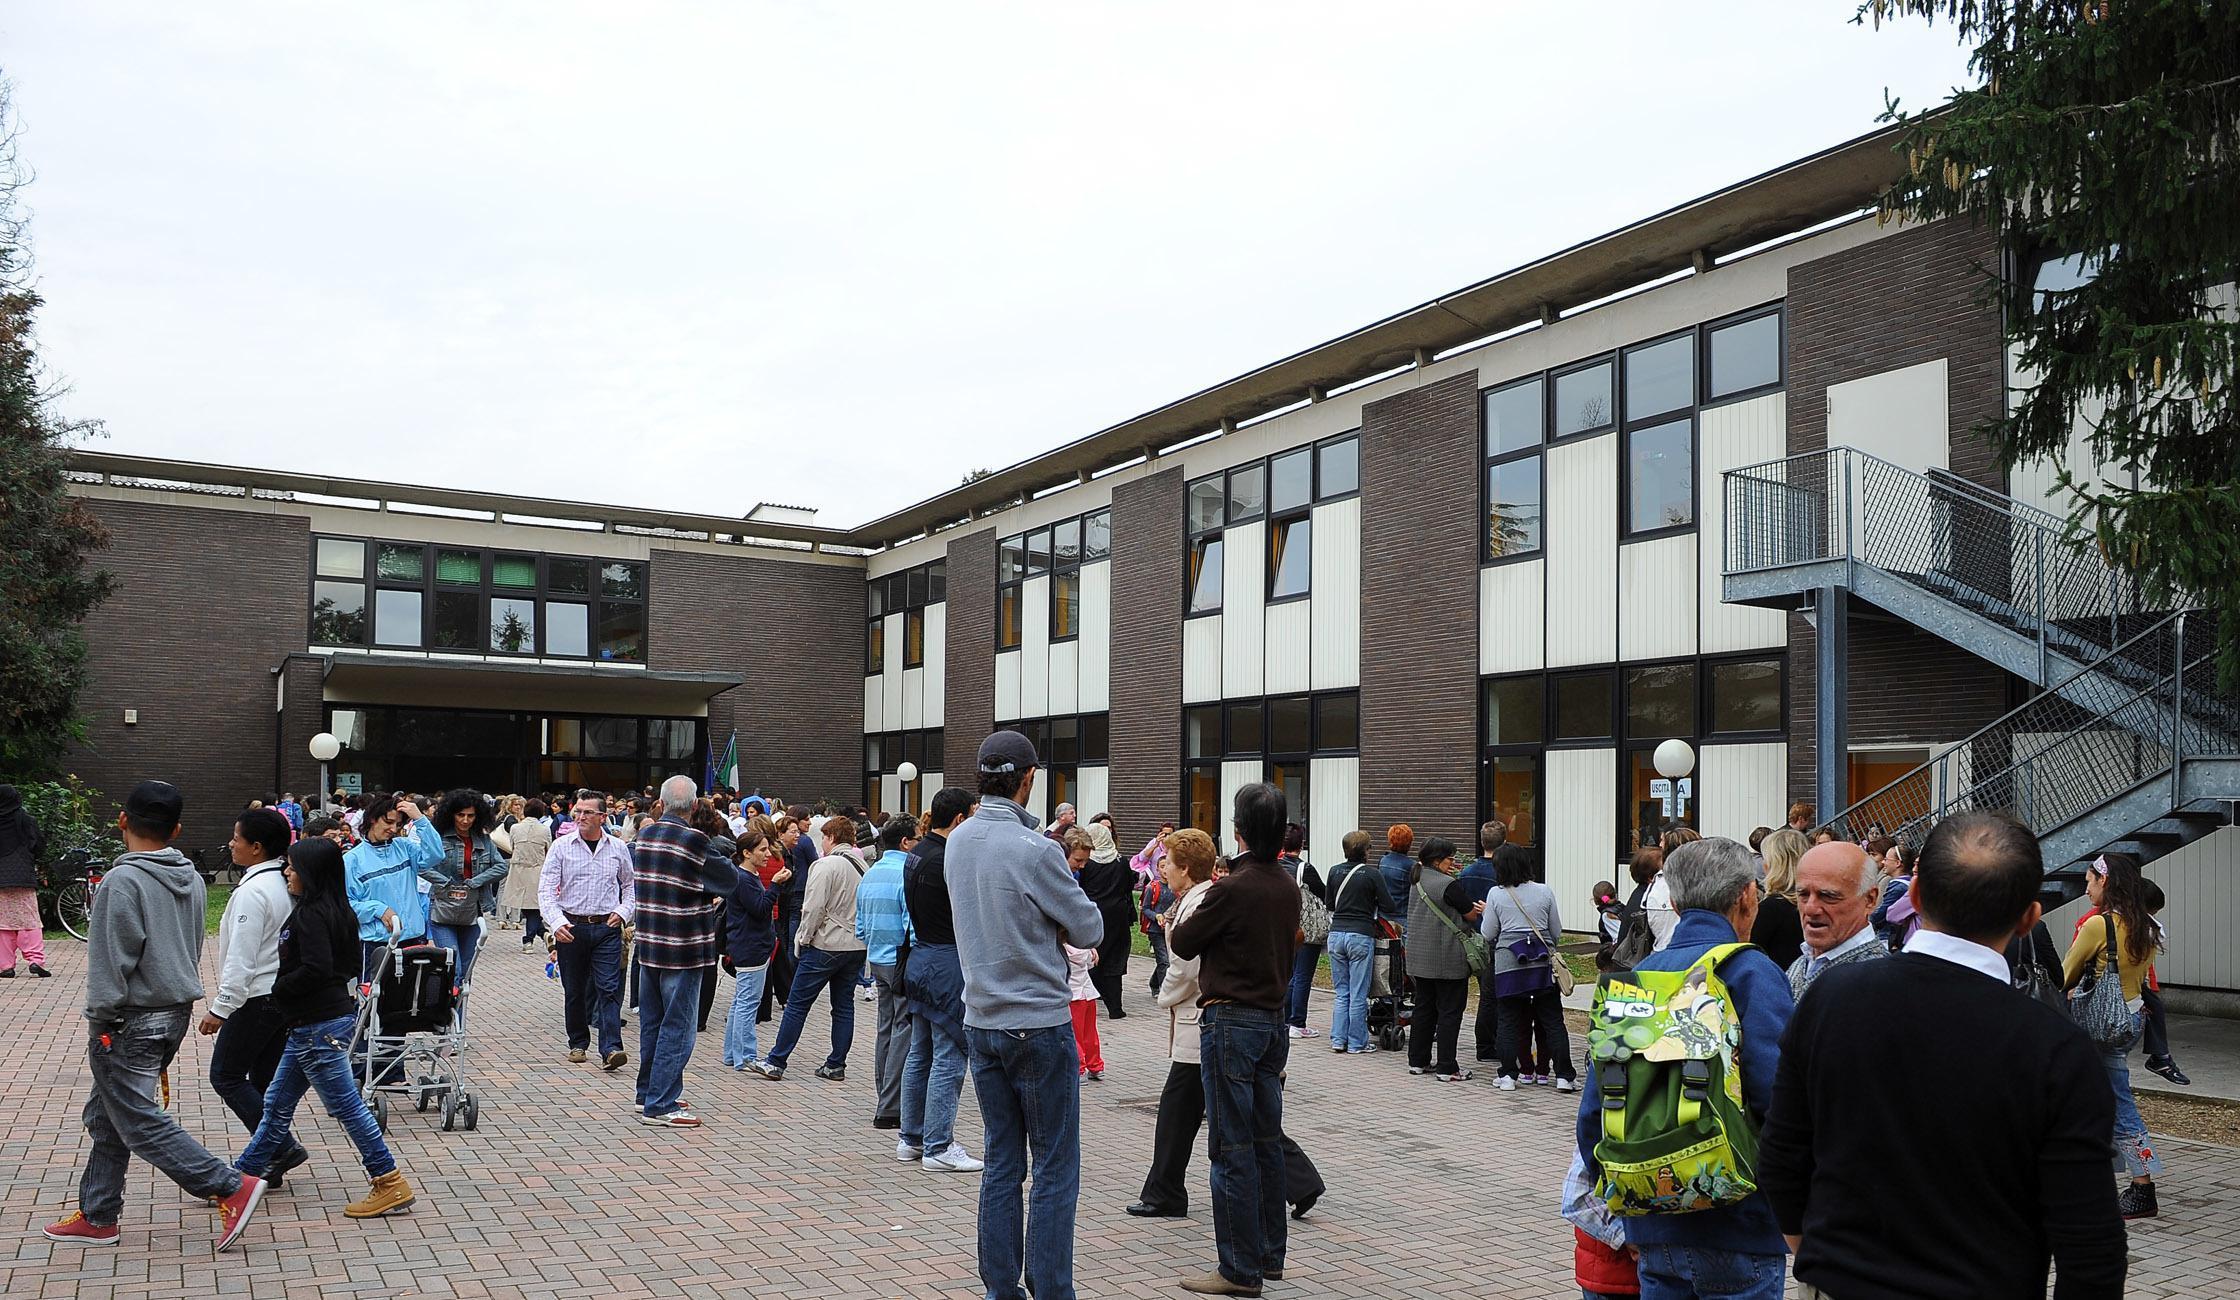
(412, 1033)
(1391, 1010)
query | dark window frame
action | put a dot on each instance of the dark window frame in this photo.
(1323, 494)
(1704, 400)
(484, 590)
(1629, 425)
(922, 586)
(1221, 741)
(1489, 460)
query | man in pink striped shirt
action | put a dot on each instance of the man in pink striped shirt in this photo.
(586, 896)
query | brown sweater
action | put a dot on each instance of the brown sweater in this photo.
(1245, 933)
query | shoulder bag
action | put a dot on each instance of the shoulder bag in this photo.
(1314, 914)
(1477, 954)
(2097, 1003)
(1565, 980)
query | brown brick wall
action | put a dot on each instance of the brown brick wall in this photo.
(794, 632)
(1419, 609)
(209, 603)
(303, 718)
(1147, 568)
(968, 688)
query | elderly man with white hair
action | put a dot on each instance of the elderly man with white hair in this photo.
(678, 883)
(1735, 1250)
(1837, 887)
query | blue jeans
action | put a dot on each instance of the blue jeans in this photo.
(1699, 1273)
(739, 1045)
(1241, 1054)
(461, 939)
(1350, 958)
(932, 1081)
(317, 1057)
(1302, 983)
(590, 964)
(1029, 1085)
(2132, 1144)
(818, 970)
(668, 1018)
(125, 1119)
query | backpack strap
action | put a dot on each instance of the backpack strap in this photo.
(1695, 1073)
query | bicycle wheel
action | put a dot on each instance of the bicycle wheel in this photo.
(73, 906)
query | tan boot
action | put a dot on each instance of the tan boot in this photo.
(390, 1194)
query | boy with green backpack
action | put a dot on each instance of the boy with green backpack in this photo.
(1681, 1057)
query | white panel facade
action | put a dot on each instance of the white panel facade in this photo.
(1236, 774)
(1512, 617)
(1730, 437)
(890, 793)
(937, 661)
(1007, 685)
(1333, 808)
(1904, 416)
(875, 703)
(1243, 597)
(1034, 648)
(1580, 827)
(1037, 802)
(1657, 598)
(1334, 661)
(1582, 542)
(1201, 659)
(891, 679)
(1096, 637)
(1288, 633)
(1742, 787)
(913, 698)
(2202, 881)
(1065, 677)
(1093, 793)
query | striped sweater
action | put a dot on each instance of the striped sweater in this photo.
(678, 885)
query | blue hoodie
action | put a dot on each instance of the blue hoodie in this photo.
(386, 878)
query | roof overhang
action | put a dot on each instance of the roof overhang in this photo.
(416, 681)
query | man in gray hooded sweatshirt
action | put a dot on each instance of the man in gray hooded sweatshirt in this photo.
(143, 976)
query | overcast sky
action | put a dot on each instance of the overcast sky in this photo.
(700, 255)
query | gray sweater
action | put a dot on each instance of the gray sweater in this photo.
(144, 952)
(1016, 905)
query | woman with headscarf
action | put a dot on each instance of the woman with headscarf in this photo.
(517, 894)
(1110, 883)
(20, 930)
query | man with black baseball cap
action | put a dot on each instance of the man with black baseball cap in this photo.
(143, 977)
(1016, 905)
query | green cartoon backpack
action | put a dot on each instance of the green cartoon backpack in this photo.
(1675, 1135)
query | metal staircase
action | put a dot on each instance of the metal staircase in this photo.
(2132, 745)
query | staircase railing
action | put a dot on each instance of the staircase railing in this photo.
(2000, 558)
(2074, 748)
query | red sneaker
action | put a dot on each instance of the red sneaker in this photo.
(85, 1232)
(235, 1210)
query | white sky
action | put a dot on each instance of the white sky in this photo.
(699, 255)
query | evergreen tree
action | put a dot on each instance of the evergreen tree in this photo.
(2101, 141)
(46, 590)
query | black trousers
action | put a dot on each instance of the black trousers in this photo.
(707, 995)
(2158, 1026)
(1438, 1014)
(1520, 1016)
(1486, 1030)
(1182, 1111)
(1106, 977)
(246, 1056)
(783, 963)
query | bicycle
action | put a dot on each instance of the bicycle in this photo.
(73, 902)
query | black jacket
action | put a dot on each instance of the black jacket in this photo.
(319, 958)
(20, 842)
(925, 891)
(1354, 908)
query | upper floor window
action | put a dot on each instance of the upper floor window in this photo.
(468, 600)
(907, 593)
(1282, 490)
(1058, 552)
(1515, 418)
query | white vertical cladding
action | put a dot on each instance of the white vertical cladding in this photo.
(1243, 597)
(1582, 541)
(1741, 786)
(1201, 659)
(1096, 637)
(890, 793)
(1034, 648)
(875, 703)
(1236, 774)
(937, 662)
(1007, 685)
(1730, 437)
(1904, 416)
(892, 683)
(1335, 661)
(1512, 617)
(913, 698)
(1093, 791)
(1065, 677)
(1579, 827)
(1288, 626)
(1038, 802)
(2202, 881)
(928, 784)
(1657, 598)
(1333, 806)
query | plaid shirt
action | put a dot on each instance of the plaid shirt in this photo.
(679, 923)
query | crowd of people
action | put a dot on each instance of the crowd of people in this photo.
(1761, 1011)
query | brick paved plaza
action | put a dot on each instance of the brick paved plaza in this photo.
(1435, 1190)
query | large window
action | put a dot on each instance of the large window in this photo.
(1066, 744)
(1283, 489)
(387, 748)
(1284, 732)
(907, 593)
(468, 600)
(1058, 551)
(885, 753)
(1515, 419)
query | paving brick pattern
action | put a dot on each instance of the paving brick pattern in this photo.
(1436, 1190)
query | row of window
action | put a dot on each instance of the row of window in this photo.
(432, 597)
(1284, 490)
(1058, 551)
(1651, 393)
(906, 593)
(1286, 732)
(885, 753)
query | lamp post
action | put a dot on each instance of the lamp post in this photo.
(1674, 759)
(324, 747)
(908, 775)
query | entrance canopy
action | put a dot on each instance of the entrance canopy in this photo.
(423, 681)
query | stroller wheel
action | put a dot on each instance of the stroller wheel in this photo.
(1388, 1038)
(421, 1094)
(450, 1111)
(472, 1113)
(381, 1112)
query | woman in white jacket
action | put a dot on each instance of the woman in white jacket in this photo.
(251, 1033)
(1186, 869)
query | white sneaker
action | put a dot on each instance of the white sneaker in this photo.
(1298, 1031)
(867, 993)
(906, 1153)
(1505, 1084)
(955, 1160)
(1566, 1085)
